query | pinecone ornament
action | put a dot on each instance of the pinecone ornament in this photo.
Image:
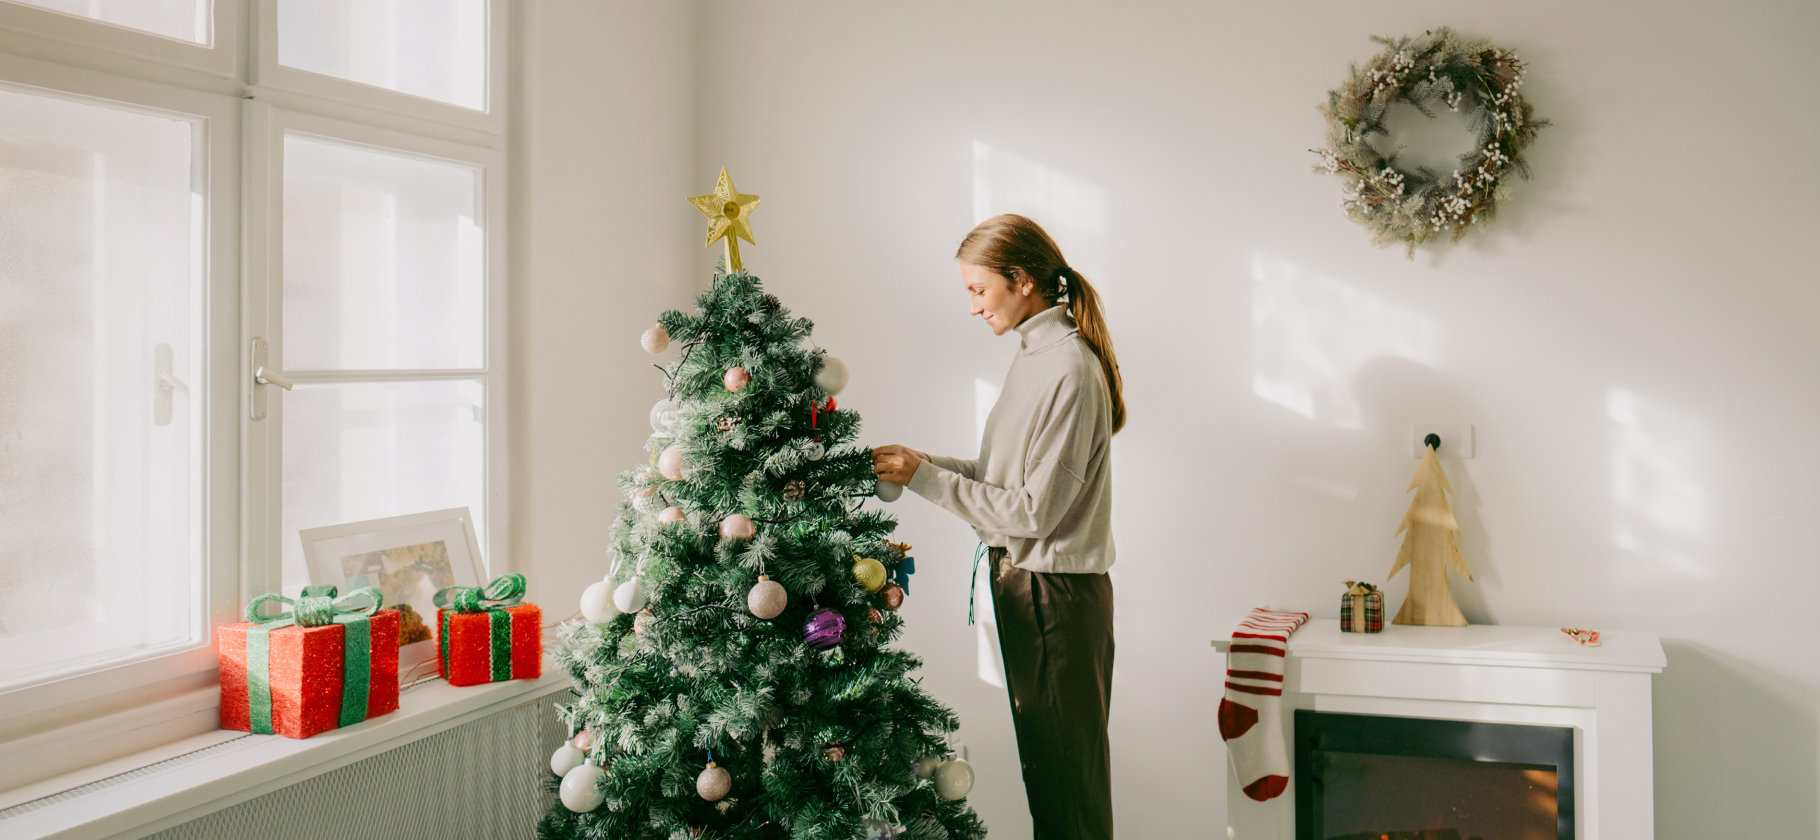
(795, 490)
(728, 424)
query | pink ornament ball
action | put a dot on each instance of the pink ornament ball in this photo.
(670, 463)
(737, 378)
(738, 527)
(824, 629)
(584, 740)
(670, 514)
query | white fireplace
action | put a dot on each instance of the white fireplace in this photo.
(1485, 674)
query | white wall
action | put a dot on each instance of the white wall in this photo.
(602, 152)
(1632, 341)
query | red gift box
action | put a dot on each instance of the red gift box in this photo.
(296, 681)
(504, 643)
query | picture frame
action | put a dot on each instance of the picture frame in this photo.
(407, 558)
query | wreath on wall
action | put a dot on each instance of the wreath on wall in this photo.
(1438, 69)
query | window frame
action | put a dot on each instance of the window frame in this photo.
(265, 72)
(39, 704)
(265, 129)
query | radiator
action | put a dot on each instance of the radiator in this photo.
(486, 779)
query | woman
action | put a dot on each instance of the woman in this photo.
(1040, 498)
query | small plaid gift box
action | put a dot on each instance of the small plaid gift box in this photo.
(484, 635)
(324, 665)
(1361, 608)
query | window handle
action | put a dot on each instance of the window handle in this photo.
(266, 377)
(262, 377)
(165, 384)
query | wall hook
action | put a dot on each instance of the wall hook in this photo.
(1433, 441)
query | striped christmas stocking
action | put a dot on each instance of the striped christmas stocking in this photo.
(1251, 715)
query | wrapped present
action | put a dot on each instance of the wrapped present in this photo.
(323, 665)
(1362, 608)
(483, 634)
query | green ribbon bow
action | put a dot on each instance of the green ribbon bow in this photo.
(316, 607)
(504, 591)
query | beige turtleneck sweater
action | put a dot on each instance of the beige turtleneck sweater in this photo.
(1042, 485)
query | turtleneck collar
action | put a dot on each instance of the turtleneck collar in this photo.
(1045, 328)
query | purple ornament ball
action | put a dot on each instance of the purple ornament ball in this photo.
(824, 629)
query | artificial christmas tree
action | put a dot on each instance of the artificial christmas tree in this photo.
(739, 710)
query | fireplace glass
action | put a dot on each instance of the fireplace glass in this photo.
(1363, 777)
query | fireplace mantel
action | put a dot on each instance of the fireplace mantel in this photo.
(1495, 674)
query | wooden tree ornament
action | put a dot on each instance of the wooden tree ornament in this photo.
(1430, 547)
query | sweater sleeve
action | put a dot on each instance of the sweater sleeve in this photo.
(1057, 457)
(968, 468)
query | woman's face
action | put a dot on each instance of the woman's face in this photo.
(991, 296)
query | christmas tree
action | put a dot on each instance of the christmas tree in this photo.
(733, 669)
(1430, 548)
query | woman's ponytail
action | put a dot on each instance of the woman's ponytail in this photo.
(1084, 305)
(1016, 247)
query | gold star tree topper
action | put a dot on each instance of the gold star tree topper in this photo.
(728, 211)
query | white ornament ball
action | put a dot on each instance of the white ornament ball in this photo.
(630, 596)
(814, 450)
(879, 830)
(664, 416)
(597, 602)
(655, 339)
(670, 514)
(833, 376)
(566, 758)
(768, 599)
(954, 779)
(890, 491)
(580, 790)
(713, 783)
(670, 463)
(645, 500)
(926, 766)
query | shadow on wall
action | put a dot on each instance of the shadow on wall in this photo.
(1393, 393)
(1736, 750)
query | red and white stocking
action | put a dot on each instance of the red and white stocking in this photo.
(1251, 713)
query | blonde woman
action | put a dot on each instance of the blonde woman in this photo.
(1040, 498)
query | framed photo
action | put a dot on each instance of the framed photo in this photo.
(407, 558)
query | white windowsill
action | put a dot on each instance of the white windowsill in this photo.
(259, 764)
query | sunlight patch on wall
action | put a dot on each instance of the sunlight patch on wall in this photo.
(1660, 508)
(1072, 210)
(1312, 333)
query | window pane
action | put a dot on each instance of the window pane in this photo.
(185, 20)
(100, 458)
(436, 49)
(383, 260)
(367, 450)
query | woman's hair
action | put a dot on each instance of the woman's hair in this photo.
(1018, 249)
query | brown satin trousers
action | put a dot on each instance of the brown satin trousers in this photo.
(1055, 631)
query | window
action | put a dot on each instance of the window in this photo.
(384, 310)
(436, 49)
(101, 455)
(183, 20)
(142, 501)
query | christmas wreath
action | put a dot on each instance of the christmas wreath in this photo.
(1435, 70)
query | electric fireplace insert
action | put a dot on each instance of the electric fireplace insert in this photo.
(1365, 777)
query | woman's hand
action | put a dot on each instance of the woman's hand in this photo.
(896, 464)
